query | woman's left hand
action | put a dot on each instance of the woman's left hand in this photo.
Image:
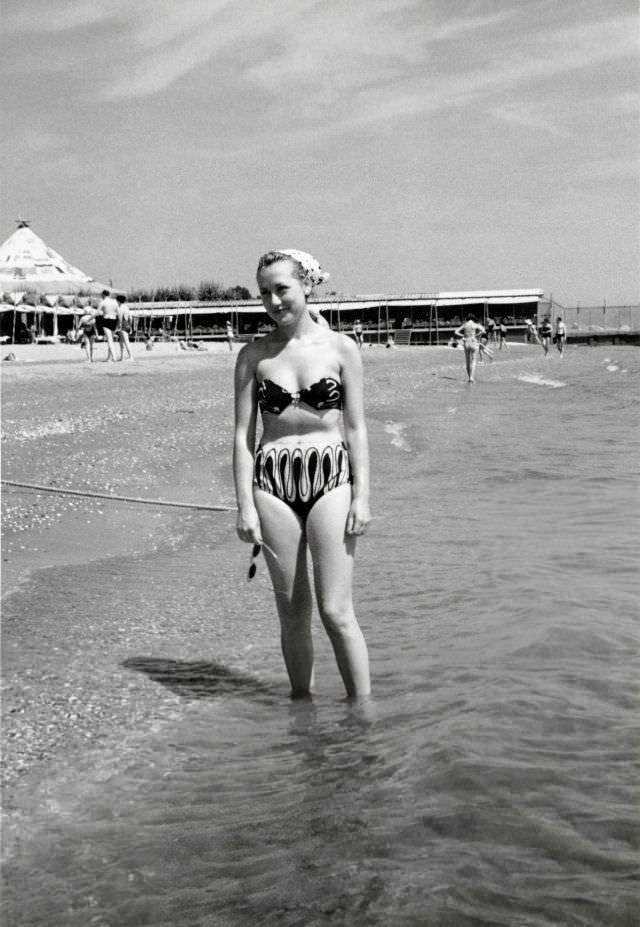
(359, 517)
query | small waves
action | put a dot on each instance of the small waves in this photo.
(397, 431)
(538, 380)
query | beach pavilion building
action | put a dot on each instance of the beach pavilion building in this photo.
(423, 318)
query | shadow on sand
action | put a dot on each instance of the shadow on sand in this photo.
(198, 679)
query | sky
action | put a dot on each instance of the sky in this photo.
(412, 146)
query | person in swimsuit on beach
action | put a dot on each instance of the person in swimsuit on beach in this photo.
(502, 333)
(306, 486)
(88, 332)
(469, 331)
(230, 334)
(560, 337)
(124, 326)
(546, 332)
(531, 333)
(108, 309)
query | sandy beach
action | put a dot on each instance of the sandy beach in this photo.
(130, 429)
(157, 428)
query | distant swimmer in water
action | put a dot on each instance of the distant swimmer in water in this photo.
(469, 332)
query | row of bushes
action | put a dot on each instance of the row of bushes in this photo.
(206, 291)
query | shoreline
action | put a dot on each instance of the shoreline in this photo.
(38, 354)
(62, 352)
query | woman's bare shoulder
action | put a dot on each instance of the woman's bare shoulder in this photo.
(346, 346)
(254, 351)
(250, 355)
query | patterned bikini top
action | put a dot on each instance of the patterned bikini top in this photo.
(324, 394)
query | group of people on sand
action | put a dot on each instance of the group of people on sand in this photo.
(474, 338)
(116, 323)
(545, 335)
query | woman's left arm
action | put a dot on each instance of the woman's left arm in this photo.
(355, 433)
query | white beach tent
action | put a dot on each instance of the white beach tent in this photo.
(36, 278)
(30, 265)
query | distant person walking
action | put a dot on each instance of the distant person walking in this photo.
(108, 309)
(546, 331)
(491, 330)
(124, 326)
(357, 332)
(502, 332)
(531, 333)
(560, 337)
(230, 335)
(88, 332)
(469, 332)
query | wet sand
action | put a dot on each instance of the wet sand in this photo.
(157, 428)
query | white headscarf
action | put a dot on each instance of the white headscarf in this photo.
(313, 273)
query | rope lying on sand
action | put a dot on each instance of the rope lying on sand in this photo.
(105, 495)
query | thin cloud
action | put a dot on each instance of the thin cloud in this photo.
(74, 14)
(191, 36)
(342, 45)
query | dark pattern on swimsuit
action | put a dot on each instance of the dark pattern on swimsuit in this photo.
(302, 475)
(326, 393)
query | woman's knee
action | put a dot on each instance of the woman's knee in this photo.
(338, 618)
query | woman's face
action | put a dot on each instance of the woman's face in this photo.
(283, 294)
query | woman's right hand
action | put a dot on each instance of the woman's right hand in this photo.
(248, 526)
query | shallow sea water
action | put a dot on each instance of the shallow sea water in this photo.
(492, 781)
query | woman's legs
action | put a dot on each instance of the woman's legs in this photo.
(470, 357)
(332, 553)
(285, 552)
(124, 345)
(108, 334)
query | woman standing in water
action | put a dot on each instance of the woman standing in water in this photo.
(469, 331)
(306, 486)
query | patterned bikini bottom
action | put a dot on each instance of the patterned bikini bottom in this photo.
(302, 475)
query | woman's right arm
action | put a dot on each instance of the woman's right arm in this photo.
(248, 522)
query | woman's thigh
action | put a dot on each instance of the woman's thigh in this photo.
(332, 550)
(285, 547)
